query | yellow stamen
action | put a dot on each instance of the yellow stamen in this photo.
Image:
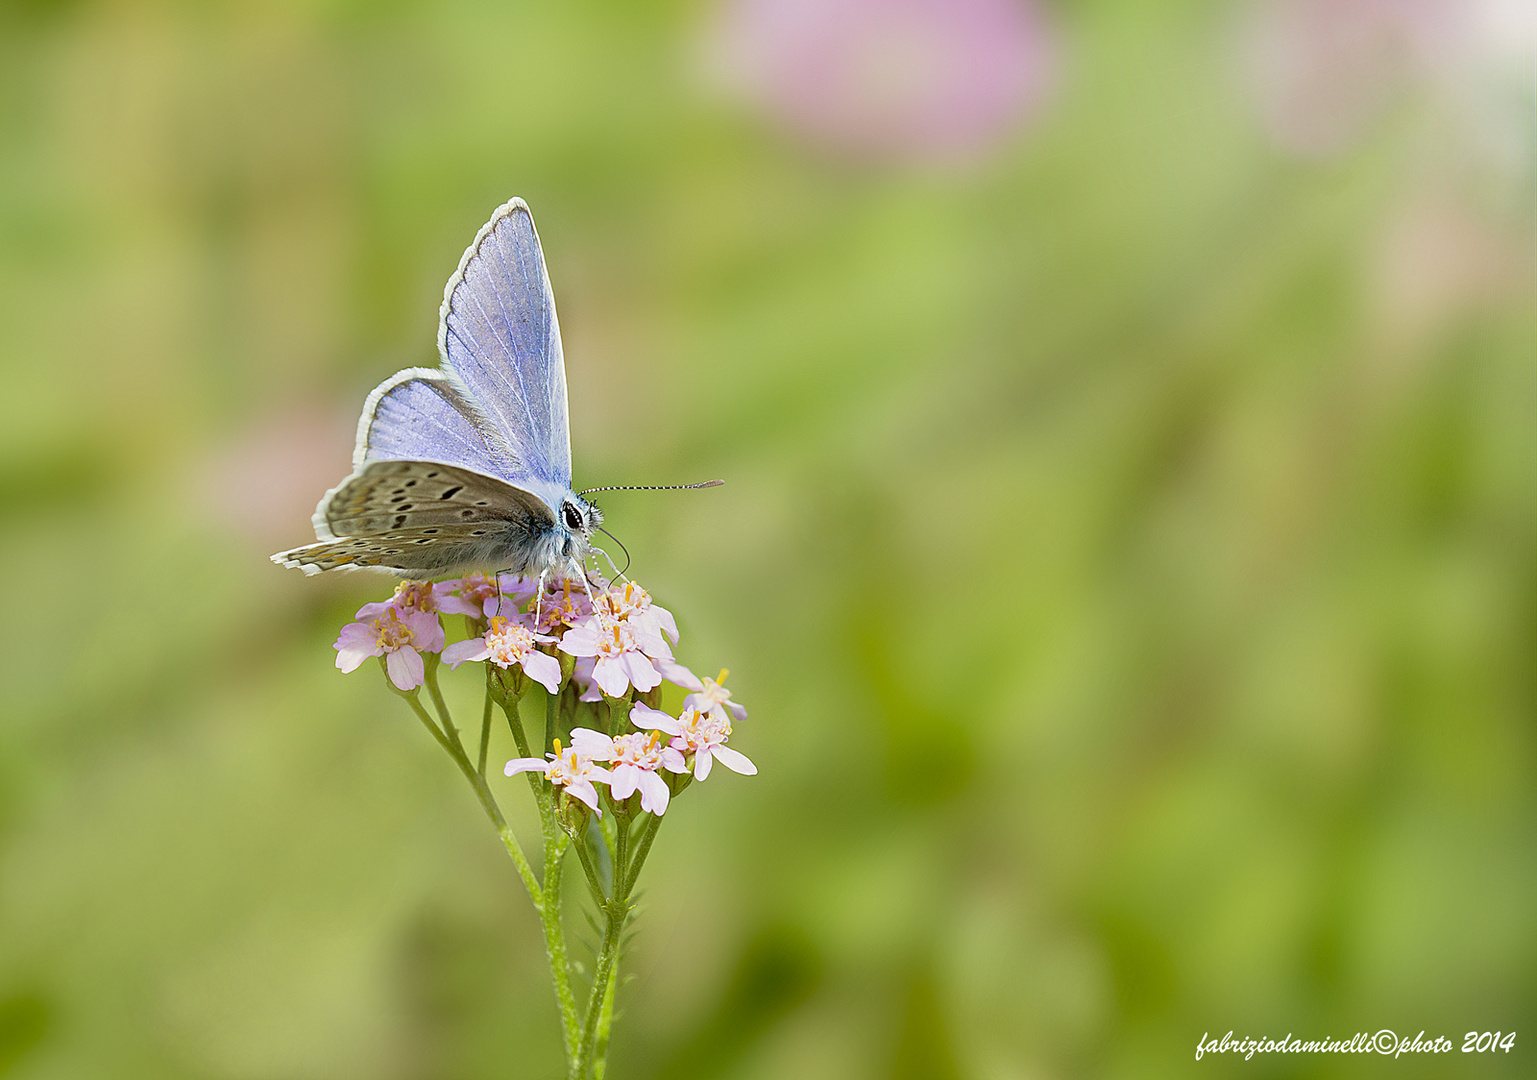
(722, 676)
(557, 748)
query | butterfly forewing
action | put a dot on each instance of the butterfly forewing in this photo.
(498, 335)
(423, 415)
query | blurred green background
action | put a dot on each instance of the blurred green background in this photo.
(1130, 427)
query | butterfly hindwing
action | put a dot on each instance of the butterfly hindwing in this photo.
(390, 496)
(499, 337)
(409, 550)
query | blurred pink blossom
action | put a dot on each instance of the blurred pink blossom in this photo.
(1323, 70)
(261, 484)
(913, 80)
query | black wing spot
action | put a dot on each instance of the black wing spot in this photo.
(477, 532)
(400, 519)
(451, 492)
(432, 475)
(403, 506)
(397, 498)
(398, 491)
(482, 502)
(410, 483)
(466, 514)
(429, 530)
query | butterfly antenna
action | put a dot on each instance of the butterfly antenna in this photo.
(617, 572)
(652, 487)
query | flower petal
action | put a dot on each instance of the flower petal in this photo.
(405, 667)
(623, 781)
(640, 671)
(579, 641)
(650, 640)
(653, 793)
(459, 605)
(644, 716)
(672, 760)
(610, 675)
(544, 669)
(677, 674)
(470, 649)
(592, 744)
(702, 761)
(735, 761)
(426, 628)
(583, 789)
(526, 764)
(348, 658)
(668, 623)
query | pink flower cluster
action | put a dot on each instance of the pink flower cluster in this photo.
(635, 759)
(620, 639)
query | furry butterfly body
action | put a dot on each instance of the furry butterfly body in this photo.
(467, 465)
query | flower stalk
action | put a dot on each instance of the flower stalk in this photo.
(601, 654)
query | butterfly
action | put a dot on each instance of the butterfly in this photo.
(469, 464)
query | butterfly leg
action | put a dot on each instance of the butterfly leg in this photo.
(618, 573)
(592, 601)
(539, 603)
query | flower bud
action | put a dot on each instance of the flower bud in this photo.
(572, 815)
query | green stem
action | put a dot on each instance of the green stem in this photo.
(647, 834)
(485, 723)
(555, 934)
(546, 897)
(520, 740)
(482, 791)
(431, 676)
(616, 911)
(605, 1023)
(594, 882)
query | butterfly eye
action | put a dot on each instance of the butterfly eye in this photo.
(572, 515)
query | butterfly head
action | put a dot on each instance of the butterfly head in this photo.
(579, 518)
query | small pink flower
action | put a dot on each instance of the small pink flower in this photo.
(559, 606)
(619, 661)
(399, 636)
(569, 768)
(638, 756)
(702, 734)
(633, 604)
(712, 696)
(506, 643)
(422, 596)
(475, 595)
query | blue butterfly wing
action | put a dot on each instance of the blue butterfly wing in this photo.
(499, 338)
(424, 415)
